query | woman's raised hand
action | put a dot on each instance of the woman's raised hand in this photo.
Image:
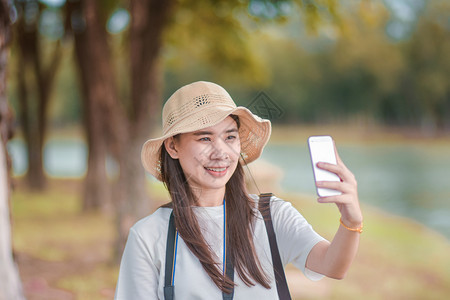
(347, 202)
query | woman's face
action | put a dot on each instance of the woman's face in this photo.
(209, 156)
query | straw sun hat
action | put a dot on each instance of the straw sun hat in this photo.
(200, 105)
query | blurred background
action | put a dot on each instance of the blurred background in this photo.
(86, 81)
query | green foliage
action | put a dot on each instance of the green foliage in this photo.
(206, 35)
(321, 61)
(355, 70)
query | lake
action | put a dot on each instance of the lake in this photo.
(408, 180)
(412, 180)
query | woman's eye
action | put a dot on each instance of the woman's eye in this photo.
(205, 139)
(231, 137)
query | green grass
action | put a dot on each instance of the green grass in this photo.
(47, 225)
(50, 227)
(96, 284)
(397, 259)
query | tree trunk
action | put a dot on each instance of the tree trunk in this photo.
(148, 21)
(100, 98)
(26, 39)
(106, 120)
(33, 111)
(10, 285)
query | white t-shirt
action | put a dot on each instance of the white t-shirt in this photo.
(141, 273)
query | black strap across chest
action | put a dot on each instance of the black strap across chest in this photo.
(170, 256)
(280, 278)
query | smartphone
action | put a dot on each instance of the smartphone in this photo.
(321, 149)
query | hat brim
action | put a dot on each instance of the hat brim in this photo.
(254, 133)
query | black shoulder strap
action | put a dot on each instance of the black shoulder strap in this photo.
(170, 257)
(264, 208)
(229, 271)
(168, 286)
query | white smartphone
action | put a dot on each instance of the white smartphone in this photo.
(321, 149)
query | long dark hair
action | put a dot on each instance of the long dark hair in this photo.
(240, 224)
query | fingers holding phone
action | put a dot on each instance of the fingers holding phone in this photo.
(335, 183)
(321, 149)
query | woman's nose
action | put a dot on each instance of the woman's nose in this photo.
(219, 151)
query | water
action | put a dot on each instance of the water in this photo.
(408, 180)
(64, 158)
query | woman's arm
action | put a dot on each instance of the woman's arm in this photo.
(334, 259)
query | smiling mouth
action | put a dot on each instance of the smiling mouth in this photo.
(216, 169)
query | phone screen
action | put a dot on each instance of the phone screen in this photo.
(321, 149)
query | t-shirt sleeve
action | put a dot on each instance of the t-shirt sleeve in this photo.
(295, 236)
(138, 276)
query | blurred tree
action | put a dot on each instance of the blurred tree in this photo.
(85, 21)
(426, 80)
(107, 122)
(34, 93)
(360, 73)
(10, 285)
(149, 19)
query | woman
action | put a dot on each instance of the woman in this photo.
(200, 158)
